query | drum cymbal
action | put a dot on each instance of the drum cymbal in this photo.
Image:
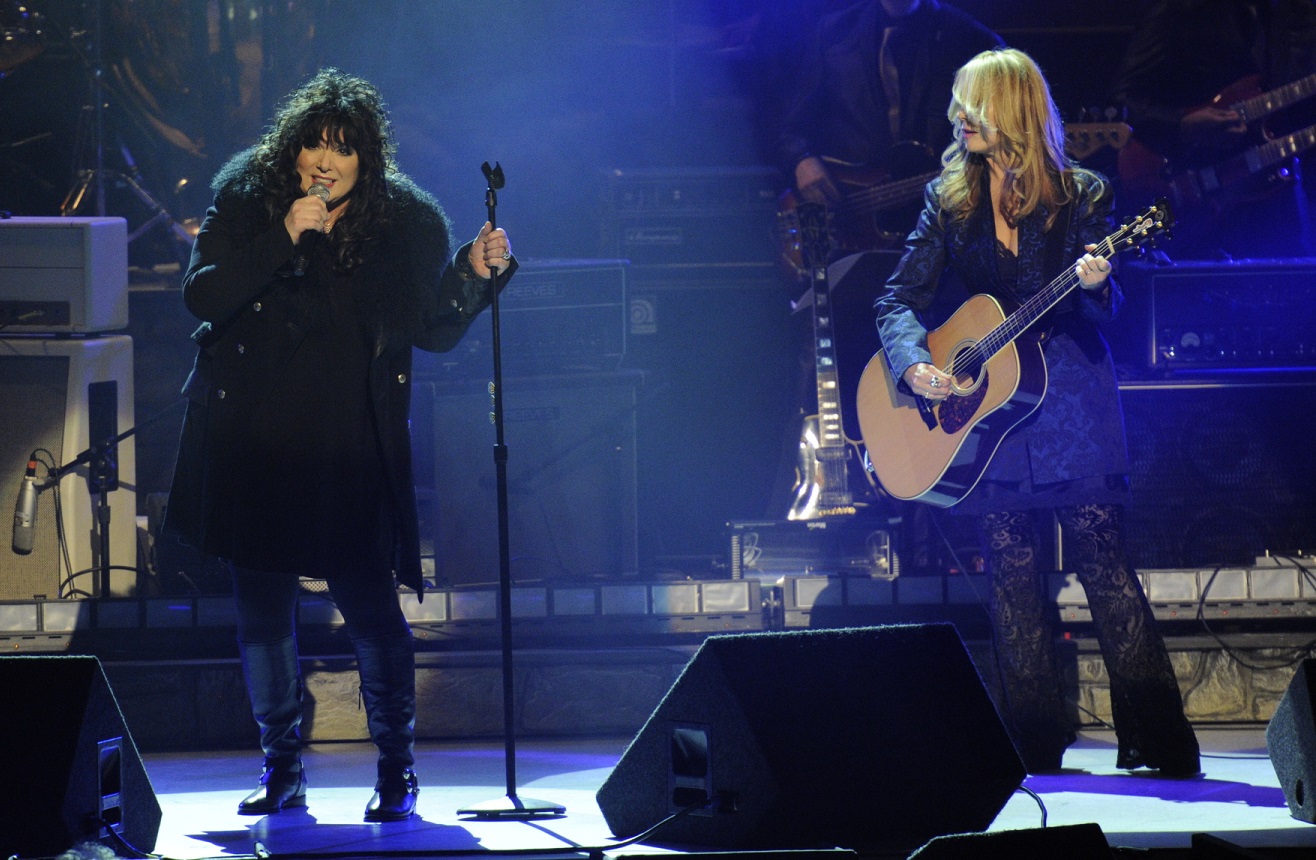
(21, 38)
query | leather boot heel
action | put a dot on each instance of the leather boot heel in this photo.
(394, 798)
(278, 790)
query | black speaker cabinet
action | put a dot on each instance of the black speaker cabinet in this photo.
(45, 393)
(73, 771)
(1073, 842)
(1221, 473)
(1291, 742)
(571, 478)
(818, 738)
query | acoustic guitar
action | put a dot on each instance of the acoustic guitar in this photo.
(936, 452)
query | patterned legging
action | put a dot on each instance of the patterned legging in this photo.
(1145, 700)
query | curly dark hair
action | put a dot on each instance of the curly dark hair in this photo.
(348, 110)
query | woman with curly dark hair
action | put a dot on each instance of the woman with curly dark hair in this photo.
(317, 270)
(1005, 217)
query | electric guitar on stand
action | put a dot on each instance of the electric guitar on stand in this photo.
(936, 452)
(822, 485)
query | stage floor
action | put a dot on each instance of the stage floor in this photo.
(1237, 799)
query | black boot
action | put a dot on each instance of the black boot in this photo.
(274, 685)
(388, 686)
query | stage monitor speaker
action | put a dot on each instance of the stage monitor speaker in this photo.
(571, 478)
(73, 771)
(48, 387)
(63, 275)
(1073, 842)
(872, 738)
(1291, 742)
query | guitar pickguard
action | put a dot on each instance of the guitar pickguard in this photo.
(956, 411)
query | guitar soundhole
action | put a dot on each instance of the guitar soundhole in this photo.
(958, 410)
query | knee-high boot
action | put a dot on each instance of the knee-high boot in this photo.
(274, 684)
(388, 687)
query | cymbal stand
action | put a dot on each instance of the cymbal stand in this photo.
(94, 178)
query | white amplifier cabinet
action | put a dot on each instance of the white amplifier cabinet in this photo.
(63, 275)
(58, 394)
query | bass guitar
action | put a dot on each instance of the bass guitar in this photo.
(822, 482)
(876, 209)
(936, 452)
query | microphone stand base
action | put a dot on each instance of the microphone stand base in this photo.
(513, 806)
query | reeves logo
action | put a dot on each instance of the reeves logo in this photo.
(551, 289)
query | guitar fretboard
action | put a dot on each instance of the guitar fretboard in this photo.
(972, 359)
(1274, 100)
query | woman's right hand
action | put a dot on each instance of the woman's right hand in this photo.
(926, 381)
(306, 213)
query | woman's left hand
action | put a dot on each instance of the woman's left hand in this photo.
(1092, 271)
(490, 251)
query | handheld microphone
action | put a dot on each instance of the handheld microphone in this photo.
(304, 240)
(25, 511)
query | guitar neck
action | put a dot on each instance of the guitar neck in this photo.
(1267, 103)
(1028, 313)
(887, 195)
(1280, 149)
(831, 434)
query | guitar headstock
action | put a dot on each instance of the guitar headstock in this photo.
(1084, 139)
(1143, 229)
(815, 234)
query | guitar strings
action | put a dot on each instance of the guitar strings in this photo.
(880, 195)
(1036, 305)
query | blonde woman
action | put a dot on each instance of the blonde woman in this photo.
(1007, 214)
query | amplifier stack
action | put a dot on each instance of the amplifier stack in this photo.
(64, 385)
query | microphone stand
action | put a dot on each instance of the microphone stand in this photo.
(511, 805)
(102, 479)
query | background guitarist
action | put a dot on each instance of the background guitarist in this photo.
(1008, 214)
(1187, 64)
(872, 77)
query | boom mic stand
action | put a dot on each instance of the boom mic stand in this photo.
(102, 479)
(511, 805)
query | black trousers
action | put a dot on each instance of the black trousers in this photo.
(1145, 700)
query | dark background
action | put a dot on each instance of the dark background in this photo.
(575, 99)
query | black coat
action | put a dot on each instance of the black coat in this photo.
(1078, 431)
(240, 284)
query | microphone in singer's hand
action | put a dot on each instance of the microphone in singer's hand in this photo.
(304, 241)
(25, 511)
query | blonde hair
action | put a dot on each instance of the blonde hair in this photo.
(1004, 90)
